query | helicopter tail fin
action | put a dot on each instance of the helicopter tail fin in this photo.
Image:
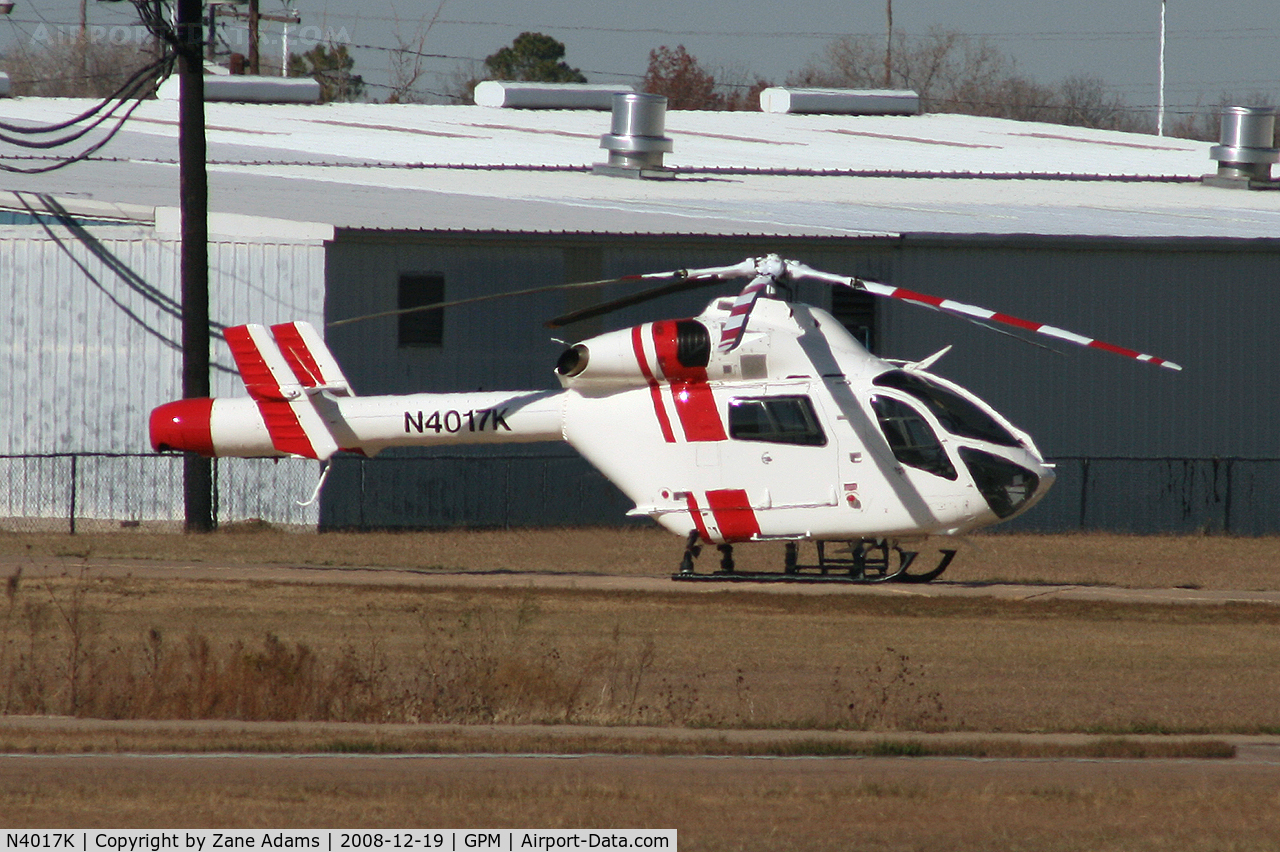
(284, 368)
(285, 360)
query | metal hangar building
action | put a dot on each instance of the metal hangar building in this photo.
(323, 213)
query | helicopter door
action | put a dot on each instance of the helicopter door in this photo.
(778, 450)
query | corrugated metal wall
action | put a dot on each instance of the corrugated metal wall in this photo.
(88, 346)
(1213, 310)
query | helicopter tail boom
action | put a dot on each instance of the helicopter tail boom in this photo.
(300, 404)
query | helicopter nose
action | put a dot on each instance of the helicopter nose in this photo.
(1009, 487)
(1048, 475)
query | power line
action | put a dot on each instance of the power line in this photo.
(131, 279)
(1237, 32)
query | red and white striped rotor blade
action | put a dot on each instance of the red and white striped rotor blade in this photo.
(977, 314)
(973, 313)
(731, 334)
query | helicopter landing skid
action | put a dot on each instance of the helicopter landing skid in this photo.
(865, 561)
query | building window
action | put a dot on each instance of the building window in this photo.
(421, 328)
(856, 311)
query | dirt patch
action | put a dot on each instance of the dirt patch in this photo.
(1203, 562)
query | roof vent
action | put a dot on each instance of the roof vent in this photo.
(840, 101)
(1246, 148)
(636, 143)
(249, 89)
(503, 93)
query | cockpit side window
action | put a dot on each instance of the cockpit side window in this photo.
(958, 415)
(911, 438)
(776, 420)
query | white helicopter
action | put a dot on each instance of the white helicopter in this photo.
(760, 419)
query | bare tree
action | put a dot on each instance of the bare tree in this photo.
(740, 87)
(461, 86)
(81, 68)
(1087, 102)
(844, 63)
(951, 72)
(956, 73)
(406, 59)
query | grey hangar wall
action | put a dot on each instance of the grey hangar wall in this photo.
(1140, 449)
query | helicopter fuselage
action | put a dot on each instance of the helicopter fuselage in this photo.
(797, 433)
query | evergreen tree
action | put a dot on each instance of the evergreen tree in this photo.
(331, 68)
(533, 57)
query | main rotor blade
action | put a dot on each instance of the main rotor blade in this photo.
(677, 281)
(683, 275)
(469, 301)
(977, 314)
(973, 313)
(676, 286)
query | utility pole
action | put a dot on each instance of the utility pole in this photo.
(82, 43)
(253, 37)
(254, 19)
(888, 44)
(211, 34)
(1160, 106)
(193, 194)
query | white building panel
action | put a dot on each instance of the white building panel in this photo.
(89, 344)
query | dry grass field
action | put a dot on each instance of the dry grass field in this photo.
(715, 804)
(381, 668)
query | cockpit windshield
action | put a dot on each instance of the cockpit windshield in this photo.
(910, 438)
(958, 415)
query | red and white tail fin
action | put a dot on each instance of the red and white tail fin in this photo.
(285, 361)
(311, 361)
(284, 367)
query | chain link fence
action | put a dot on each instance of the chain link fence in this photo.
(82, 492)
(1235, 496)
(93, 492)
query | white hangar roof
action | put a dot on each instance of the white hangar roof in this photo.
(473, 168)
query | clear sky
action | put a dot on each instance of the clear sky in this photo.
(1230, 46)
